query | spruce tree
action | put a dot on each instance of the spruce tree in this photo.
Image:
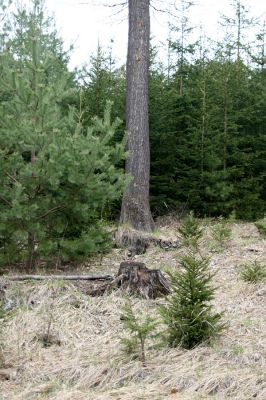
(188, 313)
(208, 145)
(162, 97)
(190, 231)
(101, 82)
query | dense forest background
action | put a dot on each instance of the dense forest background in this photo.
(61, 152)
(207, 116)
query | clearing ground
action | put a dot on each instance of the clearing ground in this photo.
(83, 359)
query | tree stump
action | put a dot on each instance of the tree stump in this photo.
(136, 278)
(2, 292)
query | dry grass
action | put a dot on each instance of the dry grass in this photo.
(84, 360)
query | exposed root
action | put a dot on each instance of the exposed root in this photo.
(137, 242)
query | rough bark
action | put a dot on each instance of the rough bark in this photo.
(136, 278)
(138, 242)
(135, 205)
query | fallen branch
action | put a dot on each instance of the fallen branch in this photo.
(60, 277)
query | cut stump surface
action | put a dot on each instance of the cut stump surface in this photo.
(136, 278)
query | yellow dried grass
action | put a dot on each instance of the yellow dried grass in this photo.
(89, 365)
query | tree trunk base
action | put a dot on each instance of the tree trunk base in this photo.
(136, 242)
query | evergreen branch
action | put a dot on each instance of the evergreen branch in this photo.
(6, 201)
(15, 181)
(53, 210)
(12, 177)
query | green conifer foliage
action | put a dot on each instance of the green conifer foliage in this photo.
(190, 231)
(102, 82)
(253, 272)
(208, 145)
(139, 331)
(188, 312)
(221, 234)
(55, 178)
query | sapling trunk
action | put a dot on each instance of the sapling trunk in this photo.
(143, 356)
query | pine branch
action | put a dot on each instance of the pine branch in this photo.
(53, 210)
(6, 201)
(12, 178)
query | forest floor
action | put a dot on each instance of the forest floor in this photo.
(83, 359)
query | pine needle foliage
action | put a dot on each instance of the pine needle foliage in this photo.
(190, 231)
(188, 313)
(139, 330)
(55, 177)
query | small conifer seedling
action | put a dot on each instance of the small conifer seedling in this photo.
(190, 231)
(221, 234)
(188, 314)
(253, 272)
(139, 332)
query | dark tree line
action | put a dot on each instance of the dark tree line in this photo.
(206, 121)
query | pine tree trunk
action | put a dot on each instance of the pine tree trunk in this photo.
(135, 205)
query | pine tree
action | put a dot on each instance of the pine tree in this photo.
(101, 81)
(135, 208)
(56, 179)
